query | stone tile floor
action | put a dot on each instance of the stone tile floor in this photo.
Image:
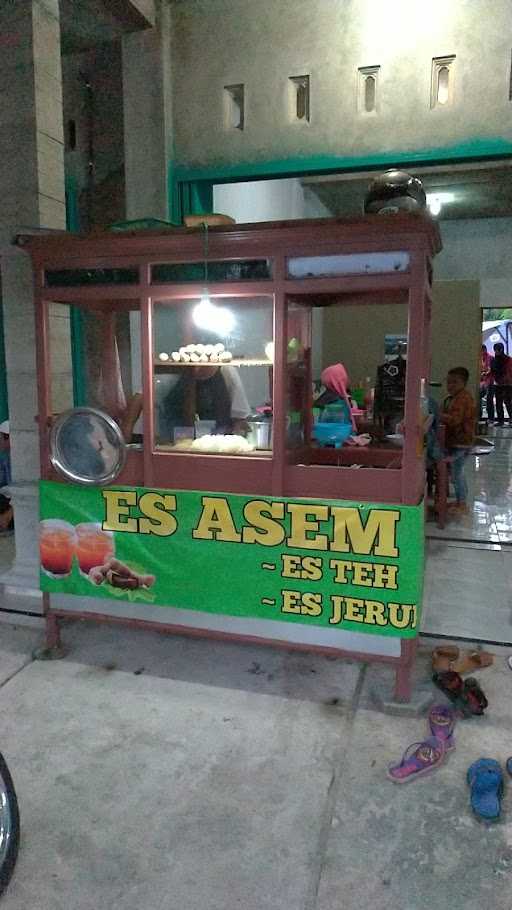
(159, 772)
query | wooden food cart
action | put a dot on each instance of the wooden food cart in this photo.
(281, 542)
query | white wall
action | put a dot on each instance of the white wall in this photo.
(479, 249)
(267, 200)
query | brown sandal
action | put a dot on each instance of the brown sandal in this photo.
(451, 658)
(443, 658)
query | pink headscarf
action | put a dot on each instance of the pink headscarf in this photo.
(336, 379)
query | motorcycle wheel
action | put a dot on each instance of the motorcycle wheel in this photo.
(9, 825)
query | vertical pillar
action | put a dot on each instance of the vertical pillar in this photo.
(147, 118)
(32, 187)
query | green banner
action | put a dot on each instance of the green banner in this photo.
(342, 565)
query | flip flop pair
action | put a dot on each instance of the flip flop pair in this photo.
(423, 757)
(450, 657)
(466, 695)
(485, 779)
(486, 783)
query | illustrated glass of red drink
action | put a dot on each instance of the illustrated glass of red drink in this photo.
(94, 546)
(57, 542)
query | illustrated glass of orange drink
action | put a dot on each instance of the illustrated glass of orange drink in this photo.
(94, 546)
(57, 542)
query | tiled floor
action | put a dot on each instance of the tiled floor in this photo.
(468, 584)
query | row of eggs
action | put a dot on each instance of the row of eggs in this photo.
(198, 353)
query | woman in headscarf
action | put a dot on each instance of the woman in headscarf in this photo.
(337, 384)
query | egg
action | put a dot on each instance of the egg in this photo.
(219, 347)
(199, 348)
(194, 358)
(208, 349)
(203, 358)
(190, 348)
(176, 356)
(185, 358)
(214, 357)
(163, 356)
(225, 356)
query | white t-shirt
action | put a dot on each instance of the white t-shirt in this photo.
(240, 408)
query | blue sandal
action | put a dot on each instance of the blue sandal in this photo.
(485, 778)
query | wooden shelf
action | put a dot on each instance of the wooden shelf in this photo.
(170, 448)
(236, 362)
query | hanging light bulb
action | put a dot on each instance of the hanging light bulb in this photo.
(207, 315)
(211, 318)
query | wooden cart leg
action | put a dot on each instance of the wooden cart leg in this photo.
(403, 683)
(52, 649)
(403, 673)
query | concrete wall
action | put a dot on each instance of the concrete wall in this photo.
(102, 67)
(262, 44)
(479, 249)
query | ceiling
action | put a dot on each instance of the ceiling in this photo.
(87, 23)
(470, 190)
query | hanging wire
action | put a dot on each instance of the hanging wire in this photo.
(205, 251)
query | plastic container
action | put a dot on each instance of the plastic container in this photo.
(337, 412)
(204, 428)
(332, 434)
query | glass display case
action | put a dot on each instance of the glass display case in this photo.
(232, 371)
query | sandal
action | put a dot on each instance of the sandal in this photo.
(467, 696)
(442, 719)
(443, 658)
(450, 658)
(485, 779)
(417, 760)
(451, 683)
(474, 696)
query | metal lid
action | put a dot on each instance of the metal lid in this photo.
(87, 447)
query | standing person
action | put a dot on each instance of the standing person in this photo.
(6, 512)
(486, 383)
(501, 370)
(459, 414)
(218, 394)
(5, 454)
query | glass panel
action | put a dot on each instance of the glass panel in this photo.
(244, 270)
(346, 373)
(213, 375)
(298, 376)
(95, 357)
(347, 264)
(370, 87)
(67, 278)
(443, 84)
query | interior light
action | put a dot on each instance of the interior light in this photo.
(213, 318)
(435, 201)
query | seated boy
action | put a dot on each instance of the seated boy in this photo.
(459, 415)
